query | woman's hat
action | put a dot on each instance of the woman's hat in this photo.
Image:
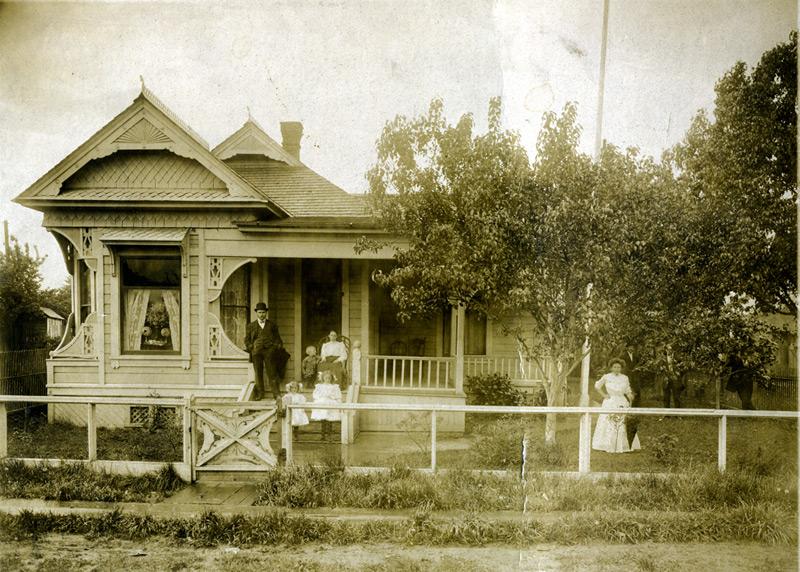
(261, 306)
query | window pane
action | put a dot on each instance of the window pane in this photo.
(84, 290)
(475, 334)
(235, 305)
(140, 271)
(151, 302)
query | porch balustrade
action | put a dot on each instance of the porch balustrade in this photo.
(410, 372)
(513, 367)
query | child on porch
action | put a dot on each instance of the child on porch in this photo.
(293, 396)
(327, 392)
(310, 365)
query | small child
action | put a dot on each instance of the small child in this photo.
(327, 392)
(293, 396)
(310, 366)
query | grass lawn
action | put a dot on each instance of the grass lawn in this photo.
(43, 440)
(669, 444)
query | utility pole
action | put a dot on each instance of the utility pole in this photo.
(585, 428)
(5, 237)
(598, 145)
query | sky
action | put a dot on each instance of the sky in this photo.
(345, 68)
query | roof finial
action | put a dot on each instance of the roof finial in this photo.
(249, 115)
(141, 80)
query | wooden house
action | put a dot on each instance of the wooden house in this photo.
(170, 244)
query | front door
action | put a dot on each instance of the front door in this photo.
(322, 299)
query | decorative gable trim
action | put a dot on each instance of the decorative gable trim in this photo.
(141, 136)
(145, 124)
(251, 139)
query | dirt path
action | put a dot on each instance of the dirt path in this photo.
(68, 553)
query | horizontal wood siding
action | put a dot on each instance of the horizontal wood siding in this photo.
(74, 374)
(194, 298)
(502, 345)
(354, 315)
(281, 304)
(235, 375)
(107, 310)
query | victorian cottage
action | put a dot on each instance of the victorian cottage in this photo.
(171, 243)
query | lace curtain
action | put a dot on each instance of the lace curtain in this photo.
(174, 312)
(136, 301)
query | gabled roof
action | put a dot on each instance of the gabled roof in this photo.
(298, 189)
(251, 139)
(50, 313)
(147, 124)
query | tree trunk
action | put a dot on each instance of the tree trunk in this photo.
(555, 398)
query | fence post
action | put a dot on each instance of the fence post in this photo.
(3, 431)
(433, 441)
(585, 444)
(187, 433)
(91, 429)
(722, 443)
(287, 435)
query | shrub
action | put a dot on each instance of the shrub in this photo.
(492, 389)
(498, 444)
(663, 447)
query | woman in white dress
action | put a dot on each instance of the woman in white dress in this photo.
(610, 434)
(334, 358)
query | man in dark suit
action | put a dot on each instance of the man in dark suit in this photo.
(262, 342)
(740, 380)
(631, 357)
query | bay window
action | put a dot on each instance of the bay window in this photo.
(150, 288)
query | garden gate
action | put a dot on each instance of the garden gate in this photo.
(233, 436)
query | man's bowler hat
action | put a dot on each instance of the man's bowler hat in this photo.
(261, 306)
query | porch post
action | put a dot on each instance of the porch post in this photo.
(460, 314)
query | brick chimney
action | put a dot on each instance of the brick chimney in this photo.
(292, 132)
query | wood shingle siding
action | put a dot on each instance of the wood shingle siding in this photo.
(144, 170)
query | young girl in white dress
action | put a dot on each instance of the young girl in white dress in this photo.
(327, 392)
(610, 433)
(293, 396)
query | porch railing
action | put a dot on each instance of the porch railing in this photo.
(410, 372)
(512, 366)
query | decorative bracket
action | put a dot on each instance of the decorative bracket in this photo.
(220, 269)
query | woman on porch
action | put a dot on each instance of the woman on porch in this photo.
(334, 358)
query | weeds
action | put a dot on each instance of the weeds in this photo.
(746, 522)
(73, 481)
(400, 488)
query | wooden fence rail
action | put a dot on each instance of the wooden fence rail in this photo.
(585, 413)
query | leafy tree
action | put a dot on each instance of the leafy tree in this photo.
(741, 169)
(20, 285)
(488, 230)
(717, 248)
(59, 299)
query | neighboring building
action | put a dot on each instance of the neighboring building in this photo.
(53, 323)
(170, 244)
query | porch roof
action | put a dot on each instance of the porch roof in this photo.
(361, 223)
(144, 235)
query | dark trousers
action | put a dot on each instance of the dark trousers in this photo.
(745, 392)
(674, 388)
(263, 362)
